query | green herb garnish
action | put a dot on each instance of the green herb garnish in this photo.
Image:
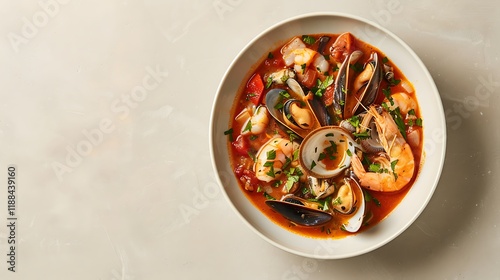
(357, 67)
(362, 135)
(321, 86)
(271, 154)
(313, 164)
(308, 39)
(269, 81)
(229, 132)
(354, 121)
(268, 196)
(248, 126)
(303, 67)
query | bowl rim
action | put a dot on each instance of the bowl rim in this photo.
(441, 124)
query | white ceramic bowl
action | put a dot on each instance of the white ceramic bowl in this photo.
(434, 135)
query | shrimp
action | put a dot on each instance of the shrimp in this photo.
(271, 158)
(397, 164)
(256, 123)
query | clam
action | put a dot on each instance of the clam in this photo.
(320, 188)
(300, 211)
(327, 151)
(350, 200)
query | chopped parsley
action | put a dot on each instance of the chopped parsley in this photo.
(303, 67)
(393, 165)
(376, 167)
(357, 67)
(418, 122)
(387, 93)
(251, 154)
(321, 86)
(268, 196)
(305, 190)
(331, 150)
(385, 59)
(354, 121)
(270, 55)
(321, 156)
(337, 201)
(362, 135)
(313, 164)
(293, 176)
(271, 154)
(394, 82)
(229, 132)
(370, 198)
(295, 155)
(248, 126)
(269, 81)
(348, 152)
(308, 39)
(398, 119)
(270, 173)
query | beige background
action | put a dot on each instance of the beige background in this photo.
(105, 110)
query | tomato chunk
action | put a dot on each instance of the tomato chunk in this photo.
(254, 89)
(241, 145)
(342, 47)
(247, 176)
(308, 79)
(328, 95)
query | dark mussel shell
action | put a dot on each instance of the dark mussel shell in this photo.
(296, 212)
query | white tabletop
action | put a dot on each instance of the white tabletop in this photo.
(104, 114)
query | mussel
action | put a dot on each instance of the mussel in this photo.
(300, 211)
(296, 115)
(292, 109)
(353, 94)
(347, 200)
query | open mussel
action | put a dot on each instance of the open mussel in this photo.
(292, 109)
(353, 93)
(296, 115)
(300, 211)
(347, 199)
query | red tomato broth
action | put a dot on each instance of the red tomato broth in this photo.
(381, 204)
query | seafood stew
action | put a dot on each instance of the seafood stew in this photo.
(326, 135)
